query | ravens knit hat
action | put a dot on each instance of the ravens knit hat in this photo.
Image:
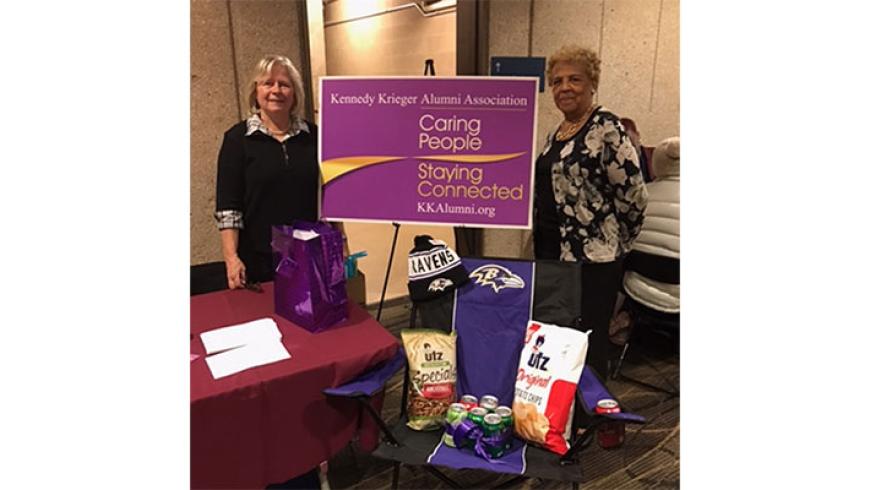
(433, 269)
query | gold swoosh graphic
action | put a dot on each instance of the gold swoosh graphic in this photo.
(335, 168)
(472, 158)
(332, 169)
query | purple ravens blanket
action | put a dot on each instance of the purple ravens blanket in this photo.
(490, 316)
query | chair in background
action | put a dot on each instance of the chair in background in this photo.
(645, 316)
(652, 269)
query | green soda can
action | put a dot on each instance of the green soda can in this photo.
(476, 415)
(455, 415)
(507, 417)
(492, 426)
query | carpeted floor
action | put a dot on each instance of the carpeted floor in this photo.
(650, 457)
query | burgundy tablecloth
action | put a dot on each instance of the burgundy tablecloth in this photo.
(272, 423)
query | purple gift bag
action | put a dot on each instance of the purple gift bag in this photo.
(309, 275)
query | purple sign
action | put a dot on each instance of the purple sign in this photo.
(428, 150)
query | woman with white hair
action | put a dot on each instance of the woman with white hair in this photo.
(589, 192)
(267, 171)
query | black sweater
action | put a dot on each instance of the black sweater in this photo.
(271, 183)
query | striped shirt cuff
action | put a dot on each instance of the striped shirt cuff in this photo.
(229, 218)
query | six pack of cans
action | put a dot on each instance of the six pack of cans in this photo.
(494, 421)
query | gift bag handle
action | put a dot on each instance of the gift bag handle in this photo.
(282, 243)
(328, 238)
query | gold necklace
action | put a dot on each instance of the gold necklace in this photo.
(276, 131)
(565, 133)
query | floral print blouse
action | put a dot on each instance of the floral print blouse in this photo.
(599, 191)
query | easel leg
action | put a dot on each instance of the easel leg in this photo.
(389, 266)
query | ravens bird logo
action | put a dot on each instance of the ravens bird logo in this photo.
(497, 277)
(440, 284)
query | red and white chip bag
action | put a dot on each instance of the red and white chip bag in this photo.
(550, 366)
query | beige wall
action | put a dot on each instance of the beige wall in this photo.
(316, 51)
(394, 43)
(226, 39)
(638, 42)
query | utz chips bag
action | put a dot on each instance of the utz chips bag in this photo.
(550, 365)
(432, 365)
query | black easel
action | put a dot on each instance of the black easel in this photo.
(428, 70)
(389, 267)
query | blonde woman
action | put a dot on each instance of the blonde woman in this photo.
(267, 171)
(589, 191)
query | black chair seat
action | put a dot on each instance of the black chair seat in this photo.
(415, 447)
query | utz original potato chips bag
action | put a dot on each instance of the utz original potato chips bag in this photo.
(550, 365)
(432, 365)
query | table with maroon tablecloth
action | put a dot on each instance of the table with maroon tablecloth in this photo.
(271, 423)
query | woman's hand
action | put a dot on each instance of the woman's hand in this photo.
(235, 272)
(235, 267)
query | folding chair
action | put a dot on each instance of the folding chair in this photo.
(406, 446)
